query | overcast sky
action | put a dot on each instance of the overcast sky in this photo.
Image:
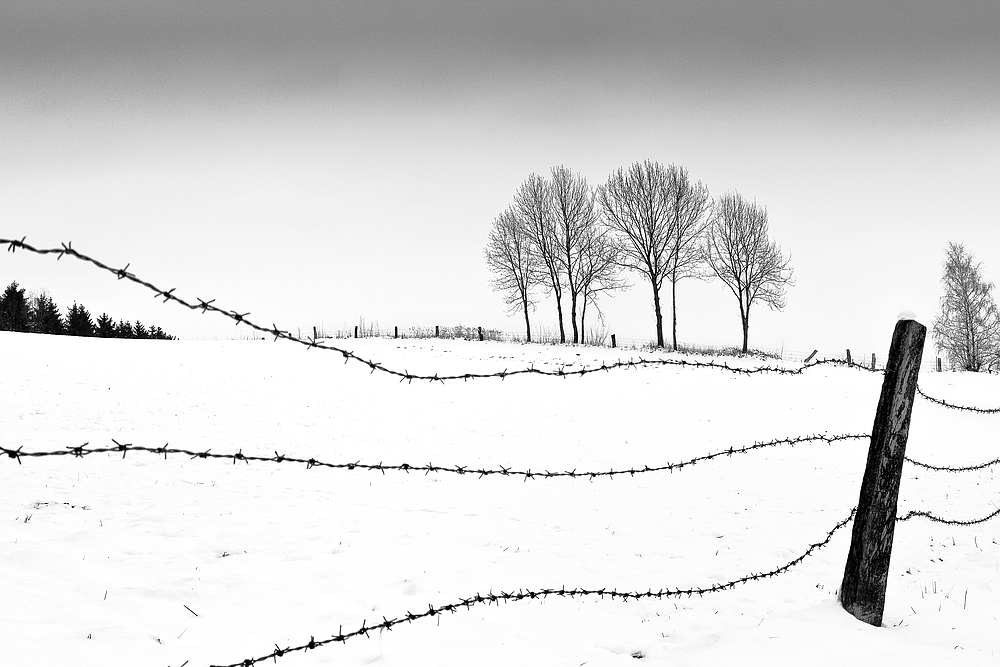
(319, 162)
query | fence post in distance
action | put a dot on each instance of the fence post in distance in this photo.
(480, 334)
(873, 361)
(809, 358)
(614, 343)
(939, 364)
(395, 332)
(437, 331)
(849, 362)
(862, 592)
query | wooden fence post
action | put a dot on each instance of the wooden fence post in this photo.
(314, 333)
(873, 361)
(862, 592)
(480, 334)
(395, 332)
(355, 330)
(939, 364)
(809, 358)
(849, 362)
(437, 331)
(614, 343)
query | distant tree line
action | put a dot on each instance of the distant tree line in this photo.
(39, 314)
(575, 242)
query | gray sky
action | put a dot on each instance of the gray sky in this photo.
(325, 161)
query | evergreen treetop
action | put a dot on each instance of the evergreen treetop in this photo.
(13, 309)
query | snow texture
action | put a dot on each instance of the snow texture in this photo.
(137, 560)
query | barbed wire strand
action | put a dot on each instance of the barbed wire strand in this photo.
(521, 594)
(913, 514)
(496, 598)
(969, 408)
(937, 468)
(124, 448)
(242, 318)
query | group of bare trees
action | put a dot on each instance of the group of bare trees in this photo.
(552, 237)
(967, 329)
(574, 242)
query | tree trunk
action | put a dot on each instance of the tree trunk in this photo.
(572, 314)
(745, 317)
(659, 315)
(673, 300)
(562, 329)
(527, 322)
(583, 317)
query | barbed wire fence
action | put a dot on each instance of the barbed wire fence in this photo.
(491, 598)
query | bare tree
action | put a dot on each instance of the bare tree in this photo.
(576, 216)
(510, 258)
(636, 206)
(533, 204)
(599, 270)
(968, 327)
(739, 251)
(690, 205)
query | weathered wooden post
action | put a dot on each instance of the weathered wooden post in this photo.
(437, 331)
(355, 330)
(314, 333)
(849, 362)
(873, 361)
(939, 364)
(395, 332)
(862, 592)
(614, 343)
(809, 358)
(480, 334)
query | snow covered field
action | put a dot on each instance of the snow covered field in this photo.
(144, 561)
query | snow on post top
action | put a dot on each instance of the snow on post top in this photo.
(907, 315)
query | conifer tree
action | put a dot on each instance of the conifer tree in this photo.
(44, 316)
(13, 309)
(78, 321)
(140, 330)
(124, 329)
(105, 326)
